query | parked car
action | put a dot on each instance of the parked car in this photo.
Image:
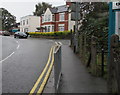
(1, 32)
(20, 35)
(6, 33)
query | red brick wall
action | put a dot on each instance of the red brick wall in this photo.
(61, 22)
(57, 17)
(57, 22)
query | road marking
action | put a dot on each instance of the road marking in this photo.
(40, 90)
(17, 42)
(11, 53)
(7, 57)
(40, 77)
(18, 46)
(60, 43)
(51, 40)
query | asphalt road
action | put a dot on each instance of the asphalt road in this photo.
(22, 62)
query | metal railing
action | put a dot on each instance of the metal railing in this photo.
(57, 66)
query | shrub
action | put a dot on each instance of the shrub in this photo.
(55, 34)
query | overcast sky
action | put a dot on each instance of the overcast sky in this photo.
(21, 8)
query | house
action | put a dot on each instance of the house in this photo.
(57, 19)
(29, 23)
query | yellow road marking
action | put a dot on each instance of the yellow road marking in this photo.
(40, 90)
(40, 77)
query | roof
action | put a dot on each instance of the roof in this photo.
(63, 8)
(59, 9)
(53, 10)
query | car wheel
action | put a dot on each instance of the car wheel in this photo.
(14, 36)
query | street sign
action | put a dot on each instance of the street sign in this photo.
(117, 28)
(75, 11)
(116, 5)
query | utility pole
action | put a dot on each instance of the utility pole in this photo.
(75, 16)
(76, 27)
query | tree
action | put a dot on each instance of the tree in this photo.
(40, 8)
(8, 20)
(95, 23)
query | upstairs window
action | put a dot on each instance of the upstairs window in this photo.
(61, 16)
(23, 22)
(42, 18)
(27, 21)
(45, 17)
(49, 17)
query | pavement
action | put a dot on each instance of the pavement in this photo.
(75, 76)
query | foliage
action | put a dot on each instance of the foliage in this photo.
(40, 8)
(96, 24)
(8, 20)
(57, 33)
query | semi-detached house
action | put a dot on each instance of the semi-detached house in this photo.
(57, 19)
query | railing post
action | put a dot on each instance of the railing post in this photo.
(102, 65)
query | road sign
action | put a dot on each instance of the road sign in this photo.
(117, 28)
(116, 5)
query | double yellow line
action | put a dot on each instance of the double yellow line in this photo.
(41, 87)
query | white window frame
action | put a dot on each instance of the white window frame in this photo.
(61, 16)
(61, 27)
(49, 18)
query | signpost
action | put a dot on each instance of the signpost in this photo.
(114, 20)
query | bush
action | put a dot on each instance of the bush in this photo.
(52, 34)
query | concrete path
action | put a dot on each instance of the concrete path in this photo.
(76, 78)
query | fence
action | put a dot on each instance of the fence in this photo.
(114, 65)
(92, 54)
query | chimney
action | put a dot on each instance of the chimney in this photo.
(68, 3)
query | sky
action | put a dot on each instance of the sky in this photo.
(20, 8)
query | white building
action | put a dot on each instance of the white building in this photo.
(29, 23)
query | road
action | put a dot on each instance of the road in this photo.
(22, 62)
